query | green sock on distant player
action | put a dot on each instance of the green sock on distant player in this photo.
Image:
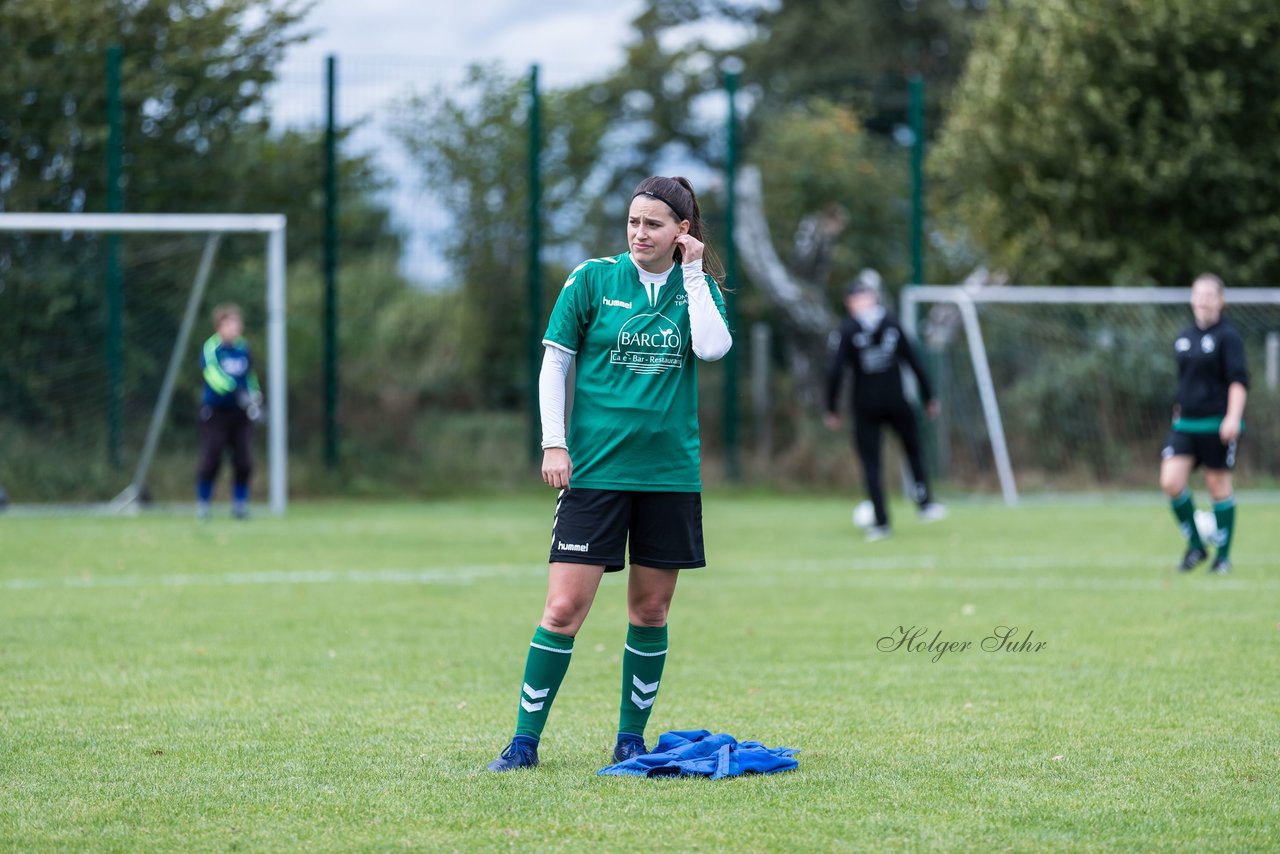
(1184, 510)
(1225, 513)
(544, 670)
(642, 659)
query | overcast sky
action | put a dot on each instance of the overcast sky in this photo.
(592, 31)
(571, 39)
(385, 48)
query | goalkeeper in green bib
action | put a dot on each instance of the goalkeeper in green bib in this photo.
(628, 466)
(1208, 420)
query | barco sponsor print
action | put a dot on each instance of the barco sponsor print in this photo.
(649, 344)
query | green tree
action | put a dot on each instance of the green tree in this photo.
(471, 143)
(829, 70)
(193, 72)
(861, 53)
(855, 53)
(1119, 142)
(817, 157)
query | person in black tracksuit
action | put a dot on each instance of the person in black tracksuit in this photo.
(872, 342)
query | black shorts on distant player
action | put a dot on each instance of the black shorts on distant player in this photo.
(1205, 449)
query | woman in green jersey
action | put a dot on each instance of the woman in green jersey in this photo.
(628, 466)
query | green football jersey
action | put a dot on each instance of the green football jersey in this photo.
(634, 424)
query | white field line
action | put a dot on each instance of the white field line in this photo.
(455, 575)
(888, 572)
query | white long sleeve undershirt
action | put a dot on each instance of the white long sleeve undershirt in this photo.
(710, 334)
(552, 381)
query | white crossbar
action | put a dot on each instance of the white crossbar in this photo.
(152, 223)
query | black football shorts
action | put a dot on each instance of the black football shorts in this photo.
(600, 526)
(1206, 449)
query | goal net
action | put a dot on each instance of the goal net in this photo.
(1048, 389)
(102, 317)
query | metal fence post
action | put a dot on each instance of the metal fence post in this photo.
(535, 262)
(732, 470)
(331, 448)
(916, 110)
(115, 277)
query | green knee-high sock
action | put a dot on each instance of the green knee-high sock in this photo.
(544, 669)
(1225, 512)
(1184, 510)
(642, 661)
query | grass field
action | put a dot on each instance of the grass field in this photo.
(336, 680)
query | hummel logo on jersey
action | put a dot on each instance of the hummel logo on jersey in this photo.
(1182, 345)
(616, 303)
(573, 547)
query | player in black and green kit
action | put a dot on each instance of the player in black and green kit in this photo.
(628, 469)
(1208, 420)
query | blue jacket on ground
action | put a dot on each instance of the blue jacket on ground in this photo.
(698, 753)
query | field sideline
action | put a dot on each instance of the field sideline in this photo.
(336, 680)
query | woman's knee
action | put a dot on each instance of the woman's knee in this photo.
(1218, 484)
(1172, 480)
(564, 613)
(649, 611)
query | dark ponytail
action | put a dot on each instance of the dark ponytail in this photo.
(678, 195)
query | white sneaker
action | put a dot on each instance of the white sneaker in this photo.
(933, 512)
(878, 532)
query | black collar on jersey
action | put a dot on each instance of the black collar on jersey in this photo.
(675, 210)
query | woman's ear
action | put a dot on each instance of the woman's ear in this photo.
(684, 226)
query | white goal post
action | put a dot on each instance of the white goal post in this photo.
(967, 299)
(213, 225)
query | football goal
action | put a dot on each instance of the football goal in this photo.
(1067, 388)
(99, 313)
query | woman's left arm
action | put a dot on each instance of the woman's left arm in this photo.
(1236, 374)
(707, 327)
(1237, 394)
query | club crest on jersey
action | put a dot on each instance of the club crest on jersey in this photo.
(1207, 344)
(648, 344)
